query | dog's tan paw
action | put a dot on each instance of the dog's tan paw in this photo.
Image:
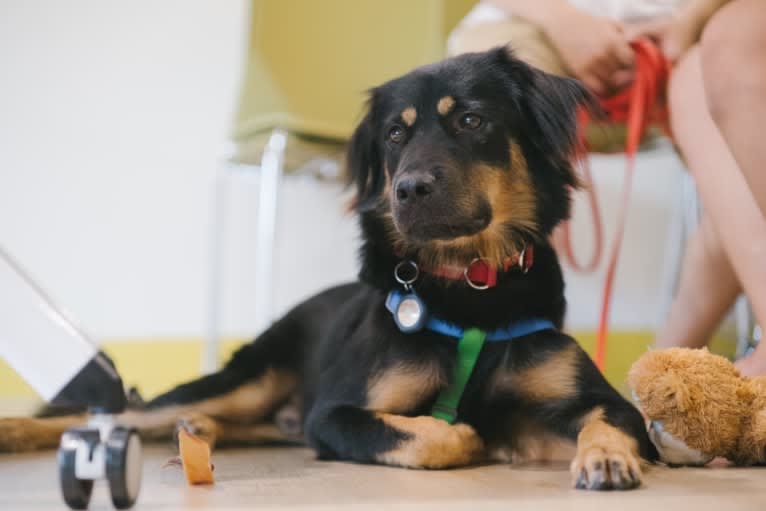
(602, 468)
(471, 442)
(453, 446)
(199, 425)
(432, 443)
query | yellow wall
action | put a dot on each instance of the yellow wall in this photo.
(150, 366)
(154, 366)
(310, 63)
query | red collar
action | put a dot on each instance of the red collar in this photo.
(480, 274)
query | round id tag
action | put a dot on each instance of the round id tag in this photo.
(410, 315)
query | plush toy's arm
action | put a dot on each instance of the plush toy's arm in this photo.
(697, 402)
(672, 450)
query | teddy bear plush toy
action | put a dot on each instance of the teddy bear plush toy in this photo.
(700, 407)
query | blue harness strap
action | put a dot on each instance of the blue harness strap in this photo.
(470, 343)
(518, 328)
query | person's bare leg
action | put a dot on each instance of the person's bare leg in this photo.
(706, 291)
(708, 286)
(733, 56)
(726, 197)
(733, 61)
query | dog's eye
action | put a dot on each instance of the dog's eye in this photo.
(396, 134)
(469, 121)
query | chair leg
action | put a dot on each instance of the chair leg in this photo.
(674, 252)
(749, 332)
(684, 221)
(209, 362)
(272, 164)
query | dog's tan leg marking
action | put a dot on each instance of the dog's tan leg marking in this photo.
(531, 441)
(554, 378)
(401, 388)
(431, 443)
(445, 105)
(248, 403)
(606, 458)
(219, 432)
(239, 434)
(409, 116)
(252, 401)
(30, 434)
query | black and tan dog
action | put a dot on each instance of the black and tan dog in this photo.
(462, 169)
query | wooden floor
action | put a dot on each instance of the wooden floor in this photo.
(289, 478)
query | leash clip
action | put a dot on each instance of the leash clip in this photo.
(404, 281)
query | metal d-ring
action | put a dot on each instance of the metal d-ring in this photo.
(480, 287)
(407, 283)
(522, 260)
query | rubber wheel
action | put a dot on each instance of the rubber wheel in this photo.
(123, 466)
(76, 491)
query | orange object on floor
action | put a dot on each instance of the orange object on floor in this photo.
(195, 457)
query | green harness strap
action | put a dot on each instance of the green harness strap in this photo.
(468, 350)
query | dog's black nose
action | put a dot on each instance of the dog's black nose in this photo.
(412, 188)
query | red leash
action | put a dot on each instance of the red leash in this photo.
(638, 106)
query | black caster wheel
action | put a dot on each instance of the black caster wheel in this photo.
(76, 491)
(123, 466)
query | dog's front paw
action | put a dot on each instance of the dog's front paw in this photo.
(432, 443)
(600, 467)
(199, 425)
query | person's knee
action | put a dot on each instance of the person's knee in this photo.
(683, 88)
(729, 53)
(715, 55)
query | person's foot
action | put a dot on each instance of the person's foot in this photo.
(751, 366)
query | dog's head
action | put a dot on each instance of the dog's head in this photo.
(469, 157)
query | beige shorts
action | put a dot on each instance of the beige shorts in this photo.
(529, 43)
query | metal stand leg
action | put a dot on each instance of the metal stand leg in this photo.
(216, 236)
(272, 165)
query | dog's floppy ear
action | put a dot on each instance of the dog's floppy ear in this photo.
(363, 163)
(554, 103)
(550, 106)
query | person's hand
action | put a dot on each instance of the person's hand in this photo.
(673, 35)
(677, 33)
(595, 49)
